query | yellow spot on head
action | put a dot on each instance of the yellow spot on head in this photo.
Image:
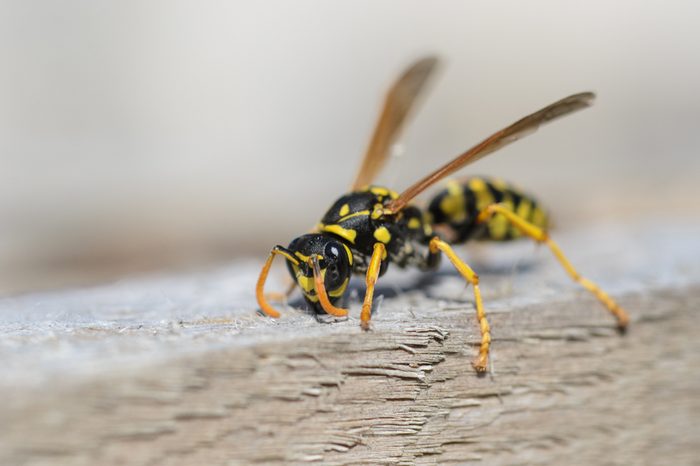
(306, 283)
(382, 235)
(414, 223)
(344, 210)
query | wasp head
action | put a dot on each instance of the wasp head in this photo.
(322, 269)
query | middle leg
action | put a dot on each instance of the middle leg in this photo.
(436, 244)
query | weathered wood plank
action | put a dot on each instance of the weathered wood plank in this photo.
(164, 371)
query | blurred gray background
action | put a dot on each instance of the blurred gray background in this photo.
(144, 135)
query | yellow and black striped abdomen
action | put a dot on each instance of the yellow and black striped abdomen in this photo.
(458, 206)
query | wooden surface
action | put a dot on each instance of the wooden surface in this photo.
(181, 370)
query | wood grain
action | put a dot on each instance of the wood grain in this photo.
(124, 379)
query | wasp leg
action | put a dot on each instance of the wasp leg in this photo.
(436, 244)
(539, 235)
(260, 287)
(372, 274)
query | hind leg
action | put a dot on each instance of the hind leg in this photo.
(539, 235)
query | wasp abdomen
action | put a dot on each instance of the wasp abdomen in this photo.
(458, 206)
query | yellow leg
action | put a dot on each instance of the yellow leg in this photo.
(260, 287)
(436, 244)
(372, 274)
(541, 236)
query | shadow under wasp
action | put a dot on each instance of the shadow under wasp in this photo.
(371, 226)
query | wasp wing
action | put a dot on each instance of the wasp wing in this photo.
(399, 101)
(512, 133)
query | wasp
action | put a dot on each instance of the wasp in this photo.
(372, 226)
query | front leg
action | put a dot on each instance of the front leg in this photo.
(373, 269)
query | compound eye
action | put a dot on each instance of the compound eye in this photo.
(332, 251)
(338, 267)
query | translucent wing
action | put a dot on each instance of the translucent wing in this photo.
(397, 105)
(512, 133)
